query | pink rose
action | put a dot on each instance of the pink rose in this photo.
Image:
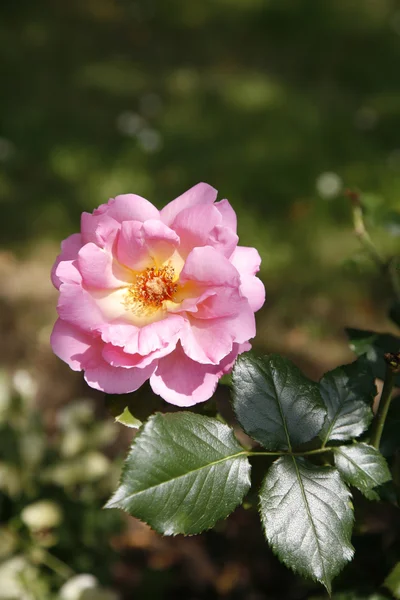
(162, 295)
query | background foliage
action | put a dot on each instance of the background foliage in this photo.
(279, 104)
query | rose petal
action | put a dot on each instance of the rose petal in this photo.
(97, 228)
(182, 381)
(116, 356)
(228, 214)
(71, 344)
(141, 245)
(130, 207)
(202, 193)
(247, 261)
(77, 307)
(208, 267)
(211, 340)
(201, 225)
(67, 272)
(69, 251)
(207, 342)
(253, 289)
(117, 380)
(100, 270)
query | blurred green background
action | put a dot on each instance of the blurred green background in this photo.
(280, 105)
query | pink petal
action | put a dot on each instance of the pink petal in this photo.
(69, 251)
(120, 334)
(131, 250)
(67, 272)
(71, 344)
(142, 244)
(130, 207)
(224, 302)
(211, 340)
(158, 335)
(144, 340)
(207, 342)
(223, 239)
(182, 381)
(253, 289)
(208, 267)
(201, 225)
(247, 261)
(116, 356)
(97, 227)
(193, 224)
(100, 270)
(243, 325)
(228, 214)
(202, 193)
(117, 380)
(77, 307)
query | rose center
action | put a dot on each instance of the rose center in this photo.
(151, 289)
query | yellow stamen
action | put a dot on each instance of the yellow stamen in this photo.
(151, 289)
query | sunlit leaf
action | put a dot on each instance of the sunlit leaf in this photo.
(126, 418)
(362, 466)
(347, 392)
(275, 403)
(183, 473)
(307, 517)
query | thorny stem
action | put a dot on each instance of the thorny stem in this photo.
(384, 403)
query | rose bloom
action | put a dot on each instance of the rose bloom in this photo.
(162, 295)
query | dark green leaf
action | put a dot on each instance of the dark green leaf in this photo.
(347, 393)
(307, 516)
(275, 403)
(183, 473)
(363, 467)
(374, 346)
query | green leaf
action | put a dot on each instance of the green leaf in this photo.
(362, 466)
(347, 393)
(307, 516)
(374, 346)
(275, 403)
(183, 473)
(392, 581)
(126, 418)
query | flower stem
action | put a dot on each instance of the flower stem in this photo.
(384, 403)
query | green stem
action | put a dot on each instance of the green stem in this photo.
(384, 403)
(56, 565)
(363, 236)
(282, 453)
